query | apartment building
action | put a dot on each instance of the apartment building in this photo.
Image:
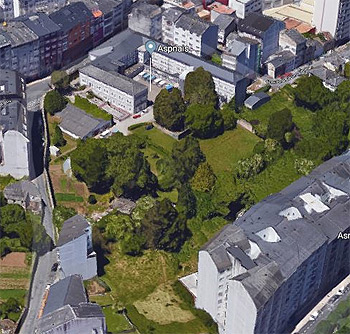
(333, 16)
(15, 127)
(263, 273)
(226, 24)
(77, 28)
(291, 40)
(66, 309)
(15, 8)
(169, 18)
(50, 44)
(244, 7)
(200, 37)
(5, 51)
(263, 29)
(25, 49)
(241, 54)
(122, 92)
(277, 3)
(146, 19)
(75, 252)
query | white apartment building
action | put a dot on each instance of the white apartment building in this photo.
(264, 273)
(121, 91)
(75, 252)
(200, 37)
(177, 64)
(333, 16)
(244, 7)
(169, 18)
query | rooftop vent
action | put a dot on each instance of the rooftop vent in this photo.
(291, 213)
(269, 235)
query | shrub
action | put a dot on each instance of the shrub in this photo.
(92, 199)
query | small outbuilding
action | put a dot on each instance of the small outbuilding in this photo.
(257, 100)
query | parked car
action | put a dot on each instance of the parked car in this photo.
(136, 116)
(54, 267)
(149, 127)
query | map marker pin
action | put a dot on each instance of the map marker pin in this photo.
(150, 46)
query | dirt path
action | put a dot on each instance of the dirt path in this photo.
(14, 259)
(165, 276)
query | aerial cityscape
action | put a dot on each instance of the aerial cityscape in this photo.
(175, 166)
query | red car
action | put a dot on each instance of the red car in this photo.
(136, 116)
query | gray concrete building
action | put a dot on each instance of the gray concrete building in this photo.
(169, 18)
(226, 24)
(199, 36)
(265, 30)
(75, 252)
(15, 127)
(146, 19)
(121, 91)
(67, 310)
(265, 272)
(291, 40)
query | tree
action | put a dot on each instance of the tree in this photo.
(133, 245)
(61, 214)
(343, 91)
(166, 174)
(92, 199)
(128, 167)
(169, 109)
(204, 121)
(310, 93)
(250, 167)
(118, 226)
(186, 156)
(163, 228)
(186, 203)
(3, 200)
(200, 88)
(54, 102)
(89, 163)
(60, 79)
(347, 70)
(204, 178)
(57, 137)
(229, 118)
(280, 122)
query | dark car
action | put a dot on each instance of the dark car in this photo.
(54, 267)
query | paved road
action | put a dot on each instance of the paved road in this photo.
(35, 91)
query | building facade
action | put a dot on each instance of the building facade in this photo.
(263, 274)
(15, 126)
(67, 310)
(244, 7)
(122, 92)
(75, 252)
(291, 40)
(333, 16)
(146, 19)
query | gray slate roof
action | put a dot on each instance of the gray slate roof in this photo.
(105, 6)
(19, 33)
(40, 23)
(255, 24)
(115, 80)
(295, 35)
(173, 14)
(79, 122)
(72, 229)
(20, 190)
(252, 100)
(70, 16)
(146, 10)
(300, 236)
(223, 21)
(193, 24)
(12, 117)
(68, 291)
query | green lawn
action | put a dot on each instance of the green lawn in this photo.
(115, 322)
(223, 152)
(280, 100)
(12, 293)
(91, 108)
(68, 197)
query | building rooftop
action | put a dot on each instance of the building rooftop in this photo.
(294, 35)
(255, 98)
(173, 14)
(146, 10)
(70, 16)
(68, 291)
(10, 84)
(20, 190)
(72, 229)
(193, 24)
(12, 116)
(19, 33)
(223, 21)
(255, 24)
(40, 24)
(105, 6)
(78, 122)
(283, 230)
(114, 80)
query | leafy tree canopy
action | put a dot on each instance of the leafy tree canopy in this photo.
(279, 124)
(54, 102)
(169, 109)
(204, 121)
(200, 88)
(57, 137)
(186, 204)
(60, 79)
(204, 178)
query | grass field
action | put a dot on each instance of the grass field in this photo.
(68, 197)
(12, 293)
(91, 108)
(283, 99)
(116, 322)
